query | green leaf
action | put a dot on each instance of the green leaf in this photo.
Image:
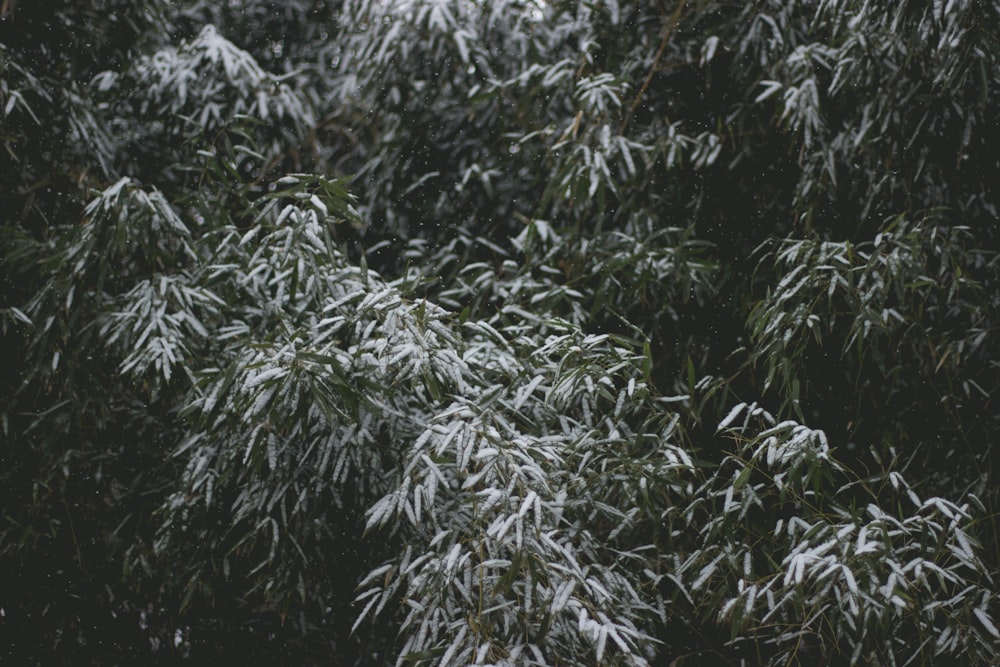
(742, 478)
(690, 376)
(420, 656)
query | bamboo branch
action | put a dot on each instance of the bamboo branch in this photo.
(668, 30)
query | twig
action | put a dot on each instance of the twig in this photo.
(667, 31)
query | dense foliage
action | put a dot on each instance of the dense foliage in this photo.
(500, 332)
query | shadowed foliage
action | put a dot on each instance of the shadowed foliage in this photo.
(500, 332)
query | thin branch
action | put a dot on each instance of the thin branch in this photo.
(668, 30)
